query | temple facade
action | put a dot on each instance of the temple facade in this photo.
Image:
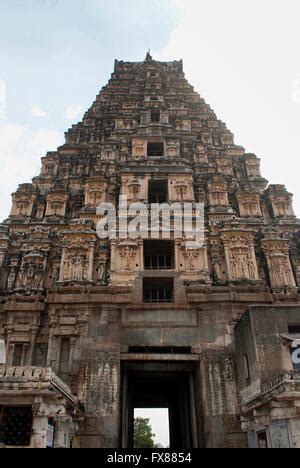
(92, 328)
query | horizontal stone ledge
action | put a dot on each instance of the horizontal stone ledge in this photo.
(250, 297)
(112, 298)
(160, 357)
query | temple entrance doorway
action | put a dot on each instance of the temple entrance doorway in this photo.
(167, 386)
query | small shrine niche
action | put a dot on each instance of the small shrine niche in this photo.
(56, 204)
(281, 201)
(252, 165)
(218, 194)
(23, 202)
(95, 193)
(249, 205)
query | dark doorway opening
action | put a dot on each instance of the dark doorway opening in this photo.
(167, 386)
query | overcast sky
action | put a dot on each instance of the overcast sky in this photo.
(242, 56)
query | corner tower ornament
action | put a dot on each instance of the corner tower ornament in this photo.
(89, 324)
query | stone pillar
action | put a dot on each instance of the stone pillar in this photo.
(52, 345)
(33, 334)
(63, 259)
(10, 353)
(25, 360)
(205, 257)
(2, 256)
(73, 342)
(141, 250)
(62, 432)
(177, 263)
(113, 256)
(91, 261)
(39, 431)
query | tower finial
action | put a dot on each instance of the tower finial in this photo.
(149, 56)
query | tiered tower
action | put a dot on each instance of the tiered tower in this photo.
(94, 328)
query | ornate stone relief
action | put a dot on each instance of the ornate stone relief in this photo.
(95, 193)
(173, 148)
(128, 254)
(249, 205)
(139, 148)
(22, 205)
(240, 256)
(225, 166)
(279, 264)
(253, 166)
(56, 204)
(32, 272)
(218, 195)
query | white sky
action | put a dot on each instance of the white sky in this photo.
(159, 420)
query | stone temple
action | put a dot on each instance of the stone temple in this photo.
(93, 328)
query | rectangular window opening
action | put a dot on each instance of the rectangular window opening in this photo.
(18, 355)
(155, 149)
(294, 329)
(16, 426)
(155, 116)
(159, 255)
(158, 290)
(158, 191)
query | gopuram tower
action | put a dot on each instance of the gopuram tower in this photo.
(92, 328)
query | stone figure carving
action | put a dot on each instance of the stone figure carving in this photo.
(241, 261)
(31, 275)
(102, 273)
(217, 268)
(280, 271)
(55, 274)
(11, 279)
(128, 253)
(77, 268)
